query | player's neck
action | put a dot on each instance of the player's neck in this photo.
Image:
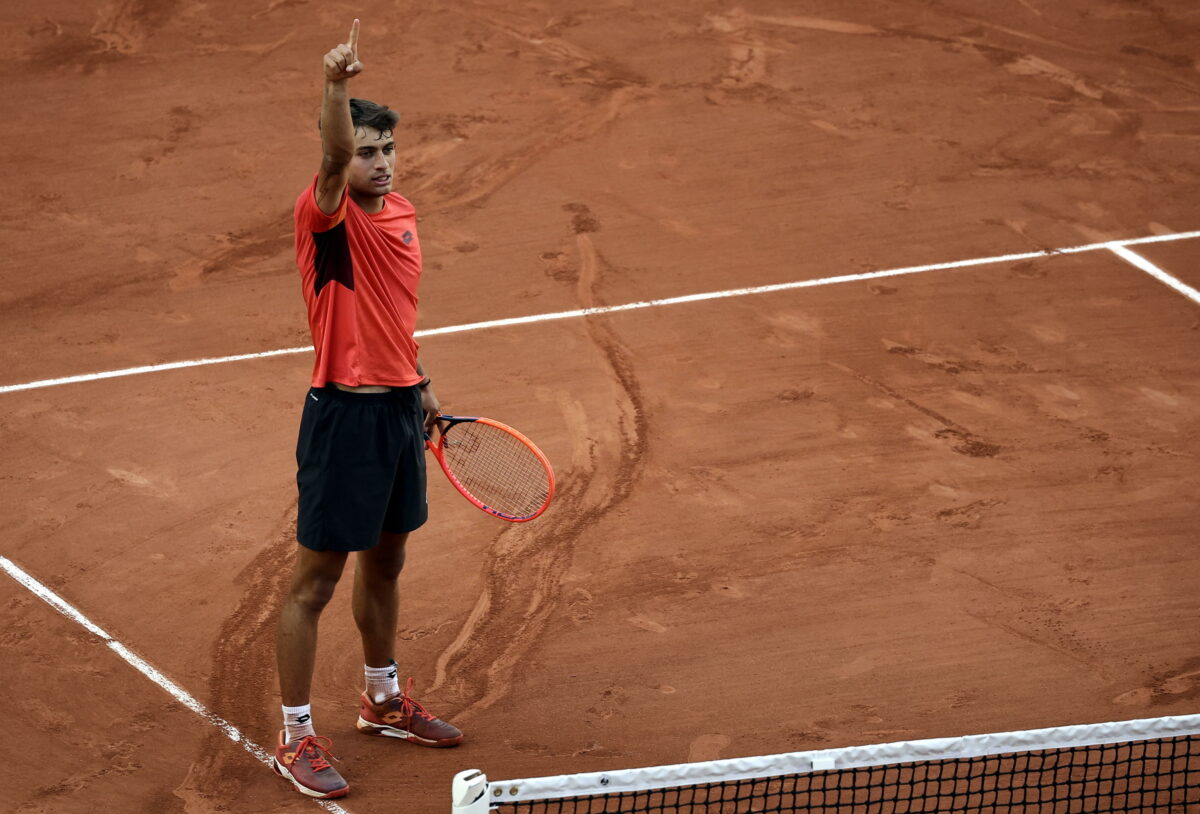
(371, 204)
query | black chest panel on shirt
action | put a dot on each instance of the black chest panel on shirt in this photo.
(333, 263)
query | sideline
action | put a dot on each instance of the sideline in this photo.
(142, 666)
(1135, 259)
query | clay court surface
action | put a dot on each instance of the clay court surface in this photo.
(942, 503)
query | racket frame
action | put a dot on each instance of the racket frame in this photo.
(446, 422)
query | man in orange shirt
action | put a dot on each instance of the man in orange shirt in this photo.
(361, 452)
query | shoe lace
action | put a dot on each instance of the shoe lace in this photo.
(314, 748)
(410, 706)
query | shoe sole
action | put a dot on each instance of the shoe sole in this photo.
(367, 728)
(305, 790)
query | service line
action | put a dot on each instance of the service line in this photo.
(145, 668)
(1113, 246)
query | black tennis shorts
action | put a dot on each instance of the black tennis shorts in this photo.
(360, 467)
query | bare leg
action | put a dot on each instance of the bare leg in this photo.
(315, 577)
(376, 597)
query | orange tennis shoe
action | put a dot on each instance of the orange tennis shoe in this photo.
(305, 763)
(401, 716)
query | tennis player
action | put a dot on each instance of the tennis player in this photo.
(361, 451)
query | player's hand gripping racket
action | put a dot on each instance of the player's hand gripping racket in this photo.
(494, 466)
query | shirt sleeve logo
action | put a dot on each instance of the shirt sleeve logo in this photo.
(407, 237)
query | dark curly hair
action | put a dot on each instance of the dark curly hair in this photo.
(365, 113)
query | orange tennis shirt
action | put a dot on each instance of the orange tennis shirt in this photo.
(359, 274)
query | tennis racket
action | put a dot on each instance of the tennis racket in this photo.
(494, 466)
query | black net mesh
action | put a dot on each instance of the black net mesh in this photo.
(1160, 775)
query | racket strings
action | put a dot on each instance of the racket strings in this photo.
(497, 468)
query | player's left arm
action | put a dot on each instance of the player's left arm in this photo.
(429, 400)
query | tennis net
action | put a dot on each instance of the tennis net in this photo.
(1148, 765)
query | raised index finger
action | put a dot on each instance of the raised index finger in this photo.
(354, 40)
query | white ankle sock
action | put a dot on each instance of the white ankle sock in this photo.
(381, 681)
(297, 722)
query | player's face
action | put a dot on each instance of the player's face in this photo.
(374, 162)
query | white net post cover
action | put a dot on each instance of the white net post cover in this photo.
(469, 793)
(967, 746)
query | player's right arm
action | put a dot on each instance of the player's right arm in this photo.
(337, 131)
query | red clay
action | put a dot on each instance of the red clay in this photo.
(954, 502)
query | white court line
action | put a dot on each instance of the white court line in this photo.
(1154, 271)
(632, 306)
(232, 732)
(134, 371)
(142, 666)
